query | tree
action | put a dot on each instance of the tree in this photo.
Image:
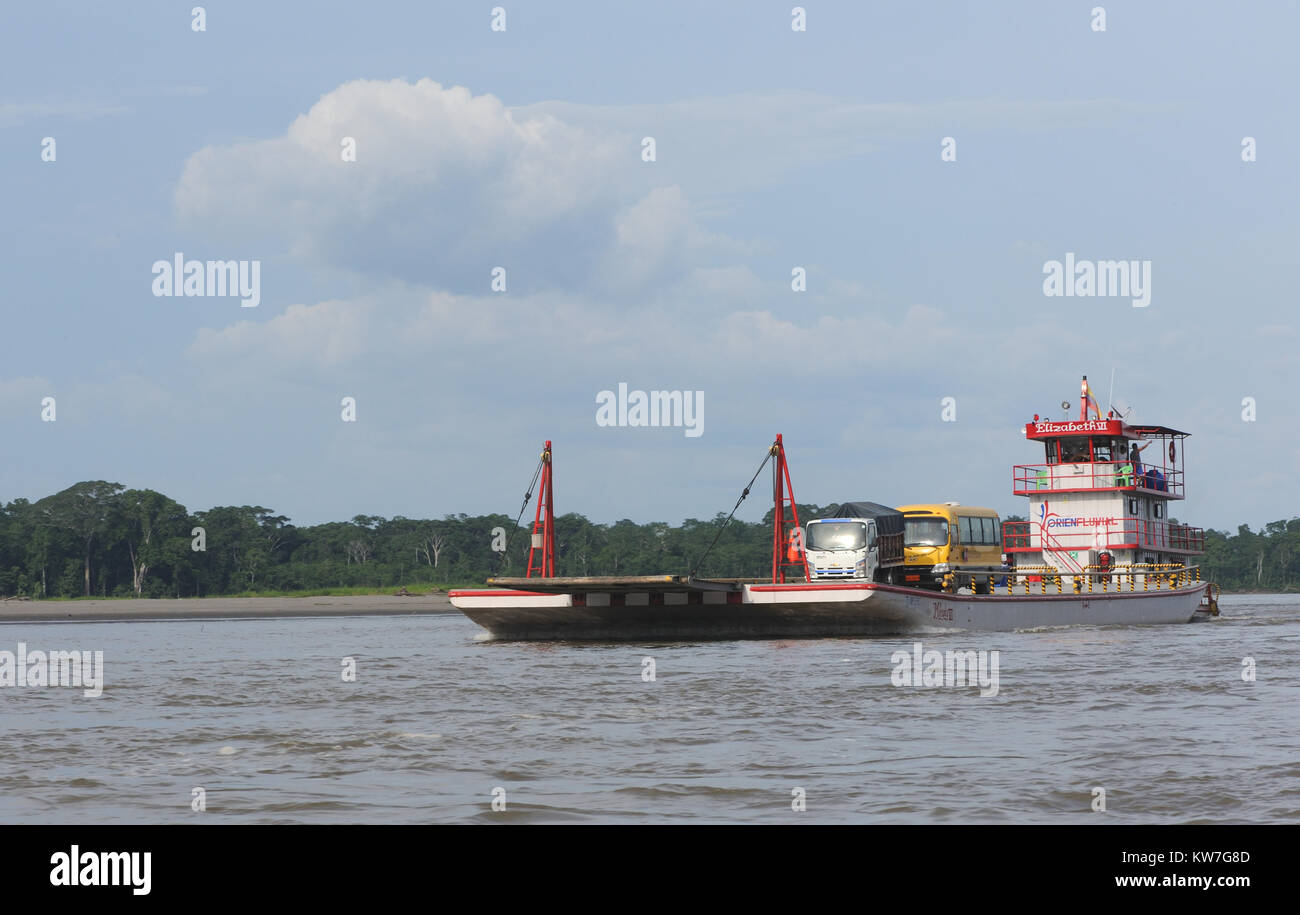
(433, 544)
(358, 552)
(151, 519)
(241, 542)
(85, 509)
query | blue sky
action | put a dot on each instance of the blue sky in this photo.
(522, 149)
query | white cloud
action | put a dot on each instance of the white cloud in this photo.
(324, 335)
(446, 185)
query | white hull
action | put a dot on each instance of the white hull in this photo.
(811, 610)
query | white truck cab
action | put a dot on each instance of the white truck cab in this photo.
(842, 548)
(860, 540)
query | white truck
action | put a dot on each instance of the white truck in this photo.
(856, 540)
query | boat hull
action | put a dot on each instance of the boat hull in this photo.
(805, 610)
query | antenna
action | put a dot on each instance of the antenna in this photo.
(1110, 395)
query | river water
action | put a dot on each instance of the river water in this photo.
(258, 715)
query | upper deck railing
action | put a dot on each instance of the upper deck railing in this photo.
(1104, 534)
(1028, 479)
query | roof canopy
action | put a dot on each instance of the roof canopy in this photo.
(1158, 431)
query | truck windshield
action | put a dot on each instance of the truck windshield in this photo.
(925, 532)
(837, 535)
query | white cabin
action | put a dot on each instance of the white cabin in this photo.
(1103, 497)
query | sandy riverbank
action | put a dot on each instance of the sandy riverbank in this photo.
(208, 608)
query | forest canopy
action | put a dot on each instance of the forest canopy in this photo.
(101, 539)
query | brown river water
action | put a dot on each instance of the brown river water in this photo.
(440, 722)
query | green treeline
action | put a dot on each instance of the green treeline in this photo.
(100, 539)
(1248, 561)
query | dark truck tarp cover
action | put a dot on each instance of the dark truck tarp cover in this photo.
(888, 520)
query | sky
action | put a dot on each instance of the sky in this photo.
(919, 164)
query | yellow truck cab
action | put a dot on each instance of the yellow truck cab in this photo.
(945, 537)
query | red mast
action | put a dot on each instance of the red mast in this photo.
(543, 527)
(787, 548)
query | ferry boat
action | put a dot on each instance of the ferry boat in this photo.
(1100, 548)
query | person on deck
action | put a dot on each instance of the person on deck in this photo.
(1134, 457)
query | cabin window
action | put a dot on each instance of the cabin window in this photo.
(1158, 510)
(1101, 450)
(1074, 451)
(1051, 451)
(925, 532)
(977, 531)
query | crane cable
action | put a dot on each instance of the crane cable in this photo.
(770, 451)
(523, 508)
